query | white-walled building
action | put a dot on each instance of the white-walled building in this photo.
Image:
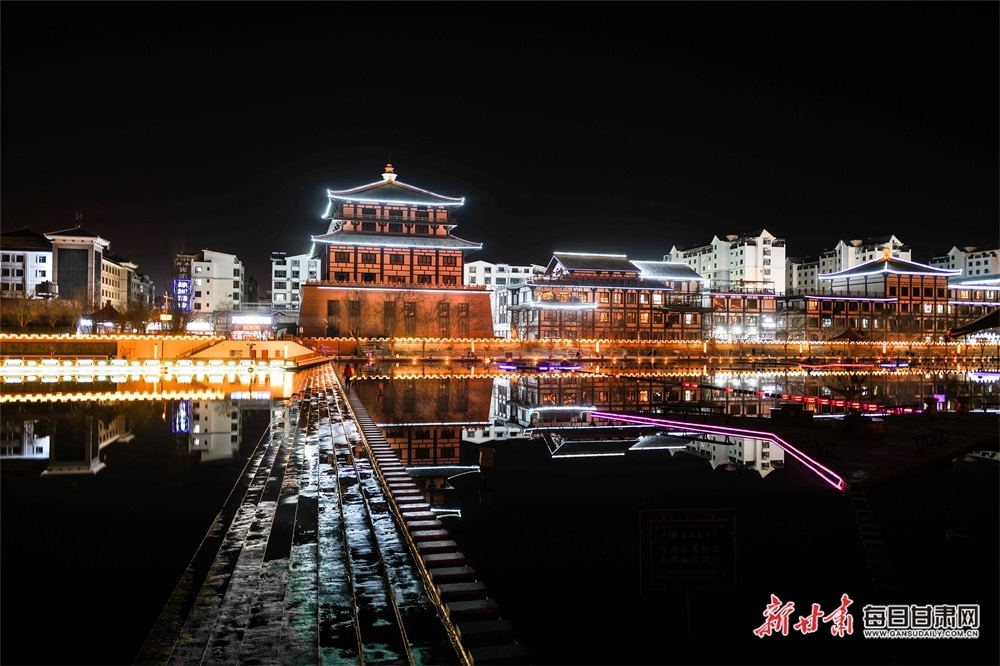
(737, 261)
(25, 263)
(970, 260)
(114, 281)
(77, 262)
(216, 281)
(288, 274)
(214, 429)
(497, 278)
(802, 275)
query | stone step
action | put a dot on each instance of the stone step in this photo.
(429, 535)
(485, 632)
(421, 525)
(446, 546)
(472, 609)
(507, 653)
(461, 591)
(443, 575)
(435, 560)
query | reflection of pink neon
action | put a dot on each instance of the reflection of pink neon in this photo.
(820, 470)
(836, 365)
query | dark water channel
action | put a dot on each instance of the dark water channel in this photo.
(104, 504)
(568, 545)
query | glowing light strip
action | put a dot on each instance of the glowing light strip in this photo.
(935, 272)
(836, 365)
(848, 298)
(433, 423)
(558, 285)
(545, 305)
(562, 408)
(819, 469)
(114, 396)
(592, 254)
(467, 290)
(470, 246)
(402, 203)
(986, 303)
(586, 455)
(441, 468)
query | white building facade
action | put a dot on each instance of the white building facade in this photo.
(25, 263)
(802, 276)
(970, 260)
(288, 274)
(737, 262)
(216, 281)
(497, 278)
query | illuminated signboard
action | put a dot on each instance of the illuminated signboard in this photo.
(181, 417)
(182, 294)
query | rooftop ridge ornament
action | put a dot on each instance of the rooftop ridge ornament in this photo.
(389, 174)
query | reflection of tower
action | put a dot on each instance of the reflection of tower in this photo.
(215, 429)
(18, 439)
(75, 447)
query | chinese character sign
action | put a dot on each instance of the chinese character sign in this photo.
(182, 294)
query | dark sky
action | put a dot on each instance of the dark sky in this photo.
(615, 127)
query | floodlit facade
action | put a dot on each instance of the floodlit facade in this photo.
(971, 261)
(591, 295)
(391, 267)
(25, 264)
(288, 275)
(498, 278)
(803, 275)
(78, 264)
(208, 282)
(735, 262)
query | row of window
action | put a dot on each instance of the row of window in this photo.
(394, 227)
(928, 292)
(344, 276)
(394, 259)
(500, 269)
(19, 258)
(627, 317)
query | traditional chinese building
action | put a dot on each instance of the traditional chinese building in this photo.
(391, 267)
(885, 299)
(587, 295)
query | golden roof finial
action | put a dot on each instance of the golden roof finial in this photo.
(389, 174)
(887, 253)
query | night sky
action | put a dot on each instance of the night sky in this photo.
(604, 127)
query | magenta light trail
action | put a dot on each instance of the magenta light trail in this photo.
(820, 470)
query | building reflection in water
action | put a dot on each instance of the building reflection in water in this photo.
(73, 438)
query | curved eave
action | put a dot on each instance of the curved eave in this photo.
(368, 194)
(451, 243)
(886, 271)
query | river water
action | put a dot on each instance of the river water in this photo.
(631, 556)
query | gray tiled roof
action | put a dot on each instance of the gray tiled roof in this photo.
(397, 240)
(24, 239)
(394, 192)
(887, 265)
(666, 270)
(74, 231)
(594, 262)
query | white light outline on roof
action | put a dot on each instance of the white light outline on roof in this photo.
(478, 246)
(388, 288)
(932, 270)
(344, 195)
(592, 254)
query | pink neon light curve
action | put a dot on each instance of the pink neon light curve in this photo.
(817, 468)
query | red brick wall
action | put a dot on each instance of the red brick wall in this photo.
(356, 311)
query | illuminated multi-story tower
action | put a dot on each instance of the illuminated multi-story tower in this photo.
(392, 267)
